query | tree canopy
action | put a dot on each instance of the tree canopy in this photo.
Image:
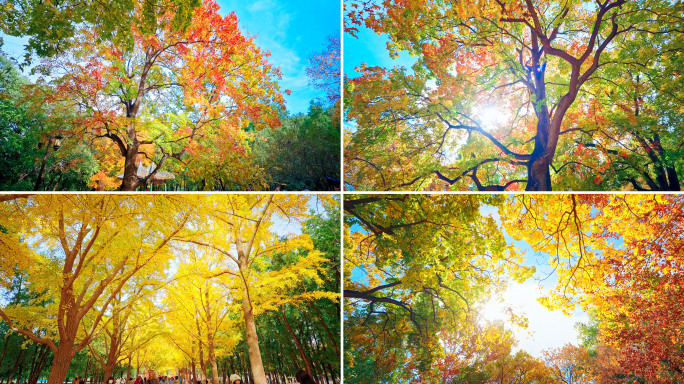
(112, 21)
(504, 95)
(420, 269)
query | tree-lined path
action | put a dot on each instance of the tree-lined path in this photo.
(197, 286)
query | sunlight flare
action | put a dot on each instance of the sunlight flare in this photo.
(492, 116)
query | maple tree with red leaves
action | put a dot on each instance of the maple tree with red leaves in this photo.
(501, 92)
(618, 256)
(171, 94)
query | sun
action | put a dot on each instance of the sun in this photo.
(493, 116)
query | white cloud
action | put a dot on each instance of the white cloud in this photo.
(274, 33)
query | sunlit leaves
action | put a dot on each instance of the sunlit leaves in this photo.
(542, 63)
(619, 256)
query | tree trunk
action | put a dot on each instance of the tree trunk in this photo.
(538, 167)
(309, 349)
(214, 366)
(257, 366)
(16, 365)
(19, 374)
(224, 370)
(38, 363)
(129, 366)
(538, 175)
(232, 366)
(39, 179)
(194, 372)
(60, 364)
(130, 177)
(4, 349)
(210, 340)
(327, 374)
(203, 364)
(674, 179)
(87, 368)
(334, 378)
(112, 356)
(96, 374)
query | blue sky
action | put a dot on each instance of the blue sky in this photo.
(370, 48)
(291, 30)
(546, 329)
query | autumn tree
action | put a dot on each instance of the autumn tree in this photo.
(620, 257)
(324, 70)
(473, 358)
(521, 367)
(28, 148)
(130, 310)
(487, 101)
(79, 252)
(417, 269)
(569, 363)
(625, 123)
(169, 93)
(202, 310)
(21, 358)
(241, 236)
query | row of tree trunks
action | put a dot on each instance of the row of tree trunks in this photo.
(327, 330)
(16, 365)
(4, 350)
(309, 343)
(307, 362)
(312, 344)
(239, 366)
(40, 356)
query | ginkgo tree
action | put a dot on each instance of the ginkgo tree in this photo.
(118, 281)
(130, 311)
(80, 256)
(141, 281)
(201, 310)
(169, 94)
(487, 103)
(241, 235)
